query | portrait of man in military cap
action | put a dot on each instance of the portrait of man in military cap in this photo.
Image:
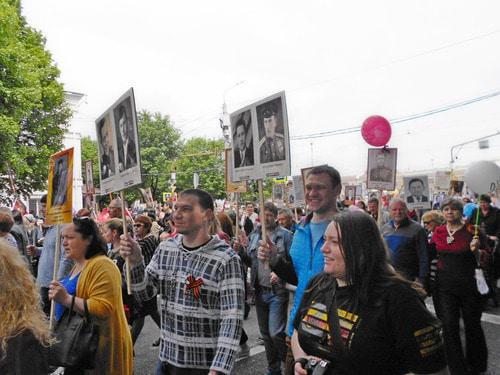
(382, 168)
(271, 137)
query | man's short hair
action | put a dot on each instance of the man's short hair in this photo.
(43, 199)
(122, 112)
(373, 200)
(249, 203)
(398, 200)
(416, 180)
(270, 206)
(241, 122)
(286, 211)
(330, 171)
(485, 198)
(205, 200)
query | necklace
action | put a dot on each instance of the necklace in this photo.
(450, 238)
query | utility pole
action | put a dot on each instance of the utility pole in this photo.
(224, 120)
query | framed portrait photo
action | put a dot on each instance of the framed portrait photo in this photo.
(118, 140)
(381, 171)
(417, 192)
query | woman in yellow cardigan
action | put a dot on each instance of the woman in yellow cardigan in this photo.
(99, 284)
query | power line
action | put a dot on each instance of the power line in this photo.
(399, 120)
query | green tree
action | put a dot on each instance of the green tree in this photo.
(204, 157)
(33, 112)
(160, 144)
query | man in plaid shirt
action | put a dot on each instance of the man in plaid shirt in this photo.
(201, 291)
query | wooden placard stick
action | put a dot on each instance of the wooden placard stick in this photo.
(379, 210)
(57, 256)
(237, 226)
(262, 217)
(125, 231)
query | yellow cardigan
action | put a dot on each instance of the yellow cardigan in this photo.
(100, 284)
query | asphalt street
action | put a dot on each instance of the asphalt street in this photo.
(146, 356)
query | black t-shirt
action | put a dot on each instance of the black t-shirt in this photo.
(395, 336)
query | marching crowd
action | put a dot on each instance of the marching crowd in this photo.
(356, 283)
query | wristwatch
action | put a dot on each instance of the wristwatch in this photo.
(303, 362)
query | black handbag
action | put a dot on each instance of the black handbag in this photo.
(77, 338)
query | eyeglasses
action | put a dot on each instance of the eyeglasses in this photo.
(81, 219)
(138, 225)
(427, 222)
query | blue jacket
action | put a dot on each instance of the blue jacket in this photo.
(47, 255)
(307, 262)
(408, 248)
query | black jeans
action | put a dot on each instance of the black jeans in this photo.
(467, 304)
(44, 295)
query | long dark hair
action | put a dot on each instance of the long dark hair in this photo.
(368, 270)
(88, 230)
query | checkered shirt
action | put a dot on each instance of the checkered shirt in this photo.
(197, 333)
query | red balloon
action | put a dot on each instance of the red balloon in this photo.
(376, 131)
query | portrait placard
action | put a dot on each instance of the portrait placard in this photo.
(118, 140)
(60, 193)
(232, 187)
(417, 194)
(89, 178)
(278, 193)
(298, 191)
(261, 140)
(381, 172)
(350, 192)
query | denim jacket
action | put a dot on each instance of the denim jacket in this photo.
(282, 238)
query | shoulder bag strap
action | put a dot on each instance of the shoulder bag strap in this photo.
(333, 323)
(86, 309)
(70, 312)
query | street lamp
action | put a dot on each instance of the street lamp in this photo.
(224, 120)
(481, 145)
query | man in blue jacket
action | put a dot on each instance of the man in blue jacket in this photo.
(407, 243)
(322, 187)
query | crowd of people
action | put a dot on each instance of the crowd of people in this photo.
(356, 276)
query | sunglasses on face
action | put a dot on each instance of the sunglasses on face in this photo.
(138, 225)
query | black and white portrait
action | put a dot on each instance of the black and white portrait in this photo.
(60, 181)
(125, 135)
(106, 150)
(382, 168)
(417, 191)
(243, 140)
(350, 192)
(272, 143)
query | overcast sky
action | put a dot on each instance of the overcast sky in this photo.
(337, 61)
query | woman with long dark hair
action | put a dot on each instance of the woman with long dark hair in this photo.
(96, 281)
(359, 314)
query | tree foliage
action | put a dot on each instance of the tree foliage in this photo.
(204, 157)
(33, 112)
(160, 144)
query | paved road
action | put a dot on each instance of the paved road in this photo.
(147, 356)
